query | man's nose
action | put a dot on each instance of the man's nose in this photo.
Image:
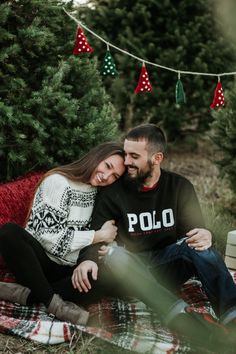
(127, 160)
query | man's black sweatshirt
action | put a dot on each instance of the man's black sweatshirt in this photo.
(149, 219)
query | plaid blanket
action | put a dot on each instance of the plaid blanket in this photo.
(129, 323)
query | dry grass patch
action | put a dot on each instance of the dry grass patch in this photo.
(82, 344)
(204, 175)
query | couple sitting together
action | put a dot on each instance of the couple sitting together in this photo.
(66, 256)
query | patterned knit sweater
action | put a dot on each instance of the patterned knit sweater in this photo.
(60, 218)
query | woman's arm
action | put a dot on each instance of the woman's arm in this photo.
(51, 223)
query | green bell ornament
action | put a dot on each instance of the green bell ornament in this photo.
(108, 66)
(179, 92)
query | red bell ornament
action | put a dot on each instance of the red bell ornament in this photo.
(144, 84)
(218, 100)
(81, 44)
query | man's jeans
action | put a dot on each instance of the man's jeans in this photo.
(153, 276)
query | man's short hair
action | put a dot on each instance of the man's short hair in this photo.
(152, 134)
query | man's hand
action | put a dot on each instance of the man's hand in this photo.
(79, 277)
(199, 239)
(107, 233)
(110, 230)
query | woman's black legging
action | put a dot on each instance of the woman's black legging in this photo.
(28, 261)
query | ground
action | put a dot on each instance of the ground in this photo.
(214, 195)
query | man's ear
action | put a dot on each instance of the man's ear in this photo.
(157, 158)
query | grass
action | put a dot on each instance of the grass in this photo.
(217, 203)
(83, 344)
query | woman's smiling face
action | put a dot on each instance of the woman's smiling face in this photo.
(108, 171)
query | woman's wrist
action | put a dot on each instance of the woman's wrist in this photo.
(98, 236)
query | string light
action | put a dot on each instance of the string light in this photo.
(146, 61)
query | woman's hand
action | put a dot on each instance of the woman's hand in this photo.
(103, 250)
(79, 277)
(107, 233)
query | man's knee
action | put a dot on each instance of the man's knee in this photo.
(114, 254)
(210, 255)
(117, 257)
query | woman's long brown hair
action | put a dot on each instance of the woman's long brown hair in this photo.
(82, 169)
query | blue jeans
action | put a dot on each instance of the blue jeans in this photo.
(153, 276)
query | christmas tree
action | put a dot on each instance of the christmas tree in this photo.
(53, 106)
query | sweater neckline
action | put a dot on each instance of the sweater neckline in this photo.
(147, 189)
(155, 186)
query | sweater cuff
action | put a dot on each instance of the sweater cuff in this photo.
(82, 239)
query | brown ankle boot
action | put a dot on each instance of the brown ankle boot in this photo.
(67, 311)
(14, 292)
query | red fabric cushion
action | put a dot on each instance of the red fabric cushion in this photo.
(15, 198)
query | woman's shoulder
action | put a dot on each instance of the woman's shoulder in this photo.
(55, 181)
(83, 187)
(59, 181)
(54, 188)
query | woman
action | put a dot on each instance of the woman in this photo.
(44, 254)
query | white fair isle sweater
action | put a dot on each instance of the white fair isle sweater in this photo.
(60, 218)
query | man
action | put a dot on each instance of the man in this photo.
(162, 239)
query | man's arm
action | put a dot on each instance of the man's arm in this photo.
(106, 206)
(192, 220)
(104, 210)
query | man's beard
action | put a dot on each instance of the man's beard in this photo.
(136, 183)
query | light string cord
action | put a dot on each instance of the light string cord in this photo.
(142, 60)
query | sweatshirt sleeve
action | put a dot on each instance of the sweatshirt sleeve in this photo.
(189, 211)
(48, 221)
(104, 210)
